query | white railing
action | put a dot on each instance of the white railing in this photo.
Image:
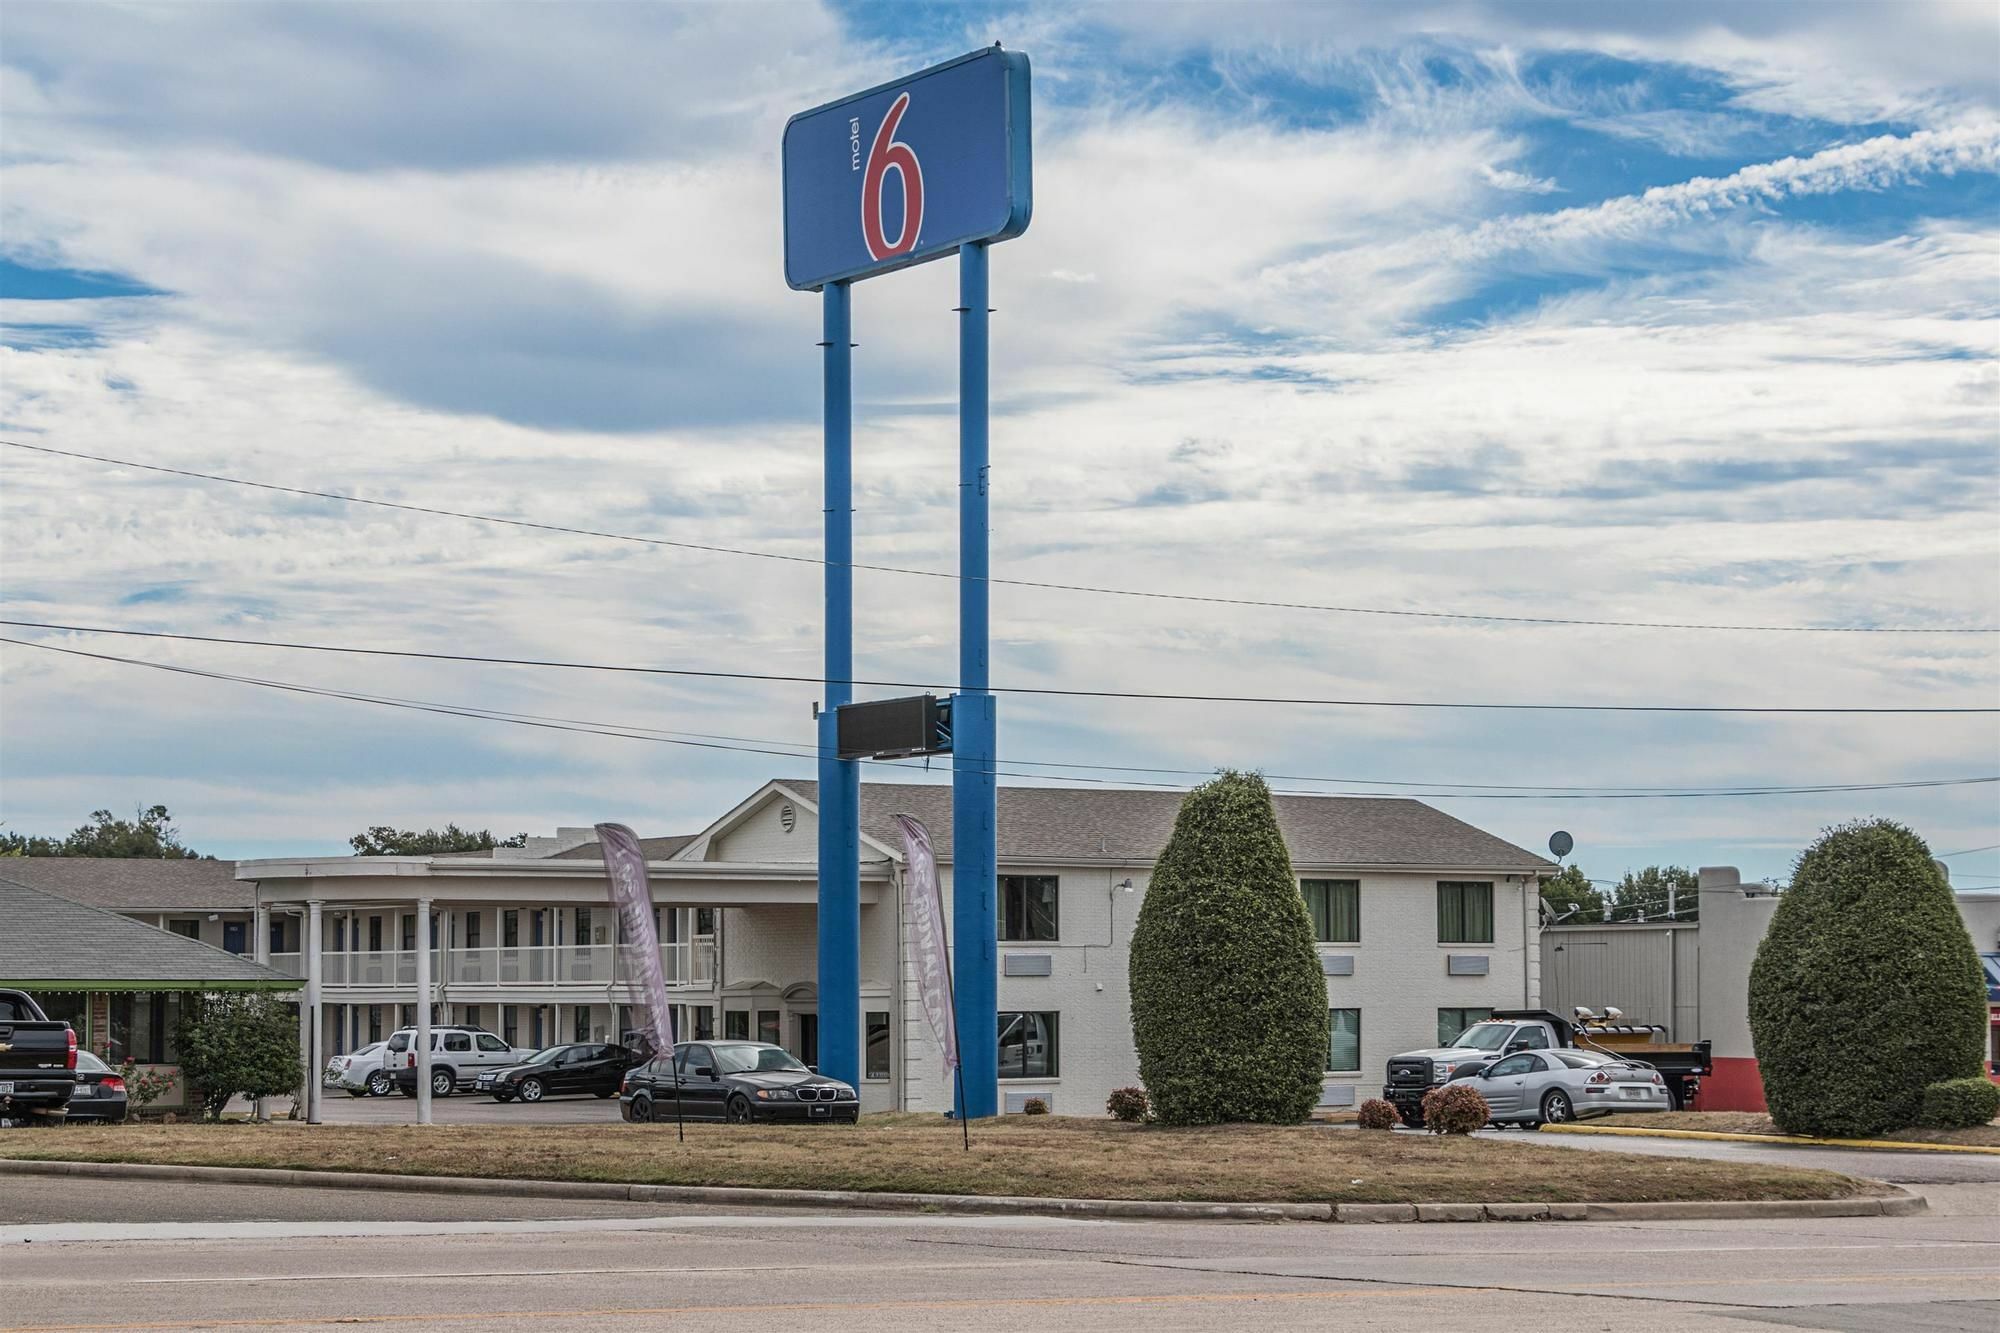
(290, 964)
(688, 965)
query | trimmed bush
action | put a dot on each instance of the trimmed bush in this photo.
(1455, 1109)
(1866, 989)
(1128, 1104)
(1034, 1106)
(1229, 1009)
(1376, 1114)
(1959, 1103)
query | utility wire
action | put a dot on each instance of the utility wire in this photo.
(1965, 851)
(1048, 691)
(795, 750)
(1000, 582)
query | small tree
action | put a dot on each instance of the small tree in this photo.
(1229, 1008)
(1657, 893)
(382, 840)
(237, 1044)
(1866, 989)
(1570, 896)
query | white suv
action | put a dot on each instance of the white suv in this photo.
(457, 1056)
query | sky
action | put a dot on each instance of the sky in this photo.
(1680, 314)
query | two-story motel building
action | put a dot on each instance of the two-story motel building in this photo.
(1425, 923)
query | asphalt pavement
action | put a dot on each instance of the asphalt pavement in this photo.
(84, 1254)
(1912, 1168)
(464, 1108)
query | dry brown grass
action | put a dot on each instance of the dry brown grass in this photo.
(1756, 1122)
(1044, 1155)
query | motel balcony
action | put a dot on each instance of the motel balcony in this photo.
(687, 965)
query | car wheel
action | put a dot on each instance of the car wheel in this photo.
(503, 1096)
(379, 1085)
(410, 1091)
(357, 1092)
(1556, 1109)
(1410, 1116)
(641, 1111)
(532, 1089)
(443, 1081)
(739, 1112)
(607, 1092)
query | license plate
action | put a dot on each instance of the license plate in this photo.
(6, 1089)
(1635, 1092)
(820, 1110)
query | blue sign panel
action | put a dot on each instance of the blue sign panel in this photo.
(908, 171)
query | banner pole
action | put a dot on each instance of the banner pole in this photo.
(958, 1067)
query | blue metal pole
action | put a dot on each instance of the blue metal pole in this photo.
(975, 927)
(839, 781)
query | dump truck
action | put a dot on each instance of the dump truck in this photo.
(1682, 1065)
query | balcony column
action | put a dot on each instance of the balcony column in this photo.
(423, 1011)
(260, 930)
(310, 946)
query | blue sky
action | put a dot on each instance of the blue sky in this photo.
(1662, 313)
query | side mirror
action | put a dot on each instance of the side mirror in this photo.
(704, 1071)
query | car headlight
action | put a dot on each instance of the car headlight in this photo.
(844, 1095)
(1441, 1073)
(775, 1094)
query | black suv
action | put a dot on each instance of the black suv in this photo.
(587, 1066)
(737, 1081)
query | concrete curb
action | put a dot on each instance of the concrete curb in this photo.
(1724, 1136)
(1901, 1204)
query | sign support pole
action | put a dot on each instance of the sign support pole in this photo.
(839, 780)
(974, 852)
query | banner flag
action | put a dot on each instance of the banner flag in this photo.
(926, 907)
(632, 895)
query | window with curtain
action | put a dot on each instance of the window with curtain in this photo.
(1343, 1052)
(1028, 907)
(1465, 911)
(1335, 905)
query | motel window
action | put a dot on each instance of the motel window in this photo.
(704, 922)
(374, 934)
(1028, 1045)
(768, 1027)
(510, 930)
(472, 930)
(1027, 907)
(583, 925)
(736, 1024)
(142, 1027)
(189, 928)
(406, 1016)
(580, 1027)
(277, 934)
(510, 1024)
(374, 1022)
(472, 1016)
(1451, 1022)
(1343, 1052)
(409, 944)
(339, 935)
(1465, 911)
(1335, 907)
(877, 1065)
(704, 1022)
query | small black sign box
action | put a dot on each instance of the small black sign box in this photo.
(894, 728)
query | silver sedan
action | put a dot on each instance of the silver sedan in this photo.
(1552, 1087)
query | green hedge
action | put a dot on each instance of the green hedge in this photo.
(1229, 1009)
(1866, 989)
(1959, 1103)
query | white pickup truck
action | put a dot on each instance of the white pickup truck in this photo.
(1414, 1073)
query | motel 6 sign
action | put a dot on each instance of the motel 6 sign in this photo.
(908, 171)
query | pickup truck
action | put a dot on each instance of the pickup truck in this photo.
(1414, 1073)
(37, 1061)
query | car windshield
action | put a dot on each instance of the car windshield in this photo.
(1484, 1036)
(372, 1048)
(544, 1057)
(755, 1060)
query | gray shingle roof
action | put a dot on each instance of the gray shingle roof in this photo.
(130, 883)
(51, 938)
(656, 849)
(1062, 824)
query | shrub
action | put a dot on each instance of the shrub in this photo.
(1128, 1104)
(1866, 989)
(231, 1044)
(144, 1087)
(1376, 1114)
(1228, 1004)
(1959, 1103)
(1455, 1109)
(1034, 1106)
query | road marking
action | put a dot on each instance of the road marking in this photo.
(794, 1307)
(678, 1270)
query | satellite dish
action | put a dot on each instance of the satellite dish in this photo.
(1561, 844)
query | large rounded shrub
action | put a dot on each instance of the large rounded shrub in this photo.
(1866, 989)
(1228, 1003)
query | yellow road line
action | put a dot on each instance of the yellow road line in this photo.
(1724, 1136)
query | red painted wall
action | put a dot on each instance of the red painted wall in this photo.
(1734, 1085)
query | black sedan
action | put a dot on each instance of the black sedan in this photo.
(736, 1081)
(592, 1067)
(99, 1092)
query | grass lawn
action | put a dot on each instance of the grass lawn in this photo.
(1041, 1155)
(1756, 1122)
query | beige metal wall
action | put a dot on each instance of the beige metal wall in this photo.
(1651, 971)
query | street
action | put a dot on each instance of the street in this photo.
(103, 1254)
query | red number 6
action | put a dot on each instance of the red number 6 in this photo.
(887, 153)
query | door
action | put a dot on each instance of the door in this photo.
(232, 936)
(1504, 1085)
(701, 1094)
(490, 1052)
(808, 1044)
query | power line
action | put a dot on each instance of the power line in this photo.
(1043, 585)
(1042, 690)
(795, 750)
(1965, 851)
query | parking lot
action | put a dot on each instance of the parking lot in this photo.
(337, 1108)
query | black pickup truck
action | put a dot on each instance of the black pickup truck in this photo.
(37, 1061)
